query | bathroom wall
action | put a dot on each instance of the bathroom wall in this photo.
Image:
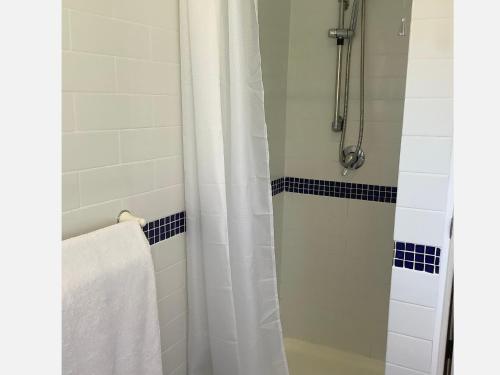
(274, 18)
(336, 253)
(419, 300)
(122, 135)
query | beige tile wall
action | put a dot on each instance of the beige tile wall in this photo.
(311, 146)
(336, 254)
(122, 135)
(274, 18)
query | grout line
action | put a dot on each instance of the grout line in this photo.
(113, 18)
(419, 209)
(122, 57)
(427, 174)
(408, 368)
(184, 363)
(139, 128)
(120, 148)
(70, 37)
(184, 313)
(115, 67)
(79, 92)
(415, 304)
(176, 290)
(405, 335)
(427, 136)
(122, 198)
(183, 260)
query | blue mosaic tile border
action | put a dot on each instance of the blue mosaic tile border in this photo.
(338, 189)
(161, 229)
(416, 257)
(278, 186)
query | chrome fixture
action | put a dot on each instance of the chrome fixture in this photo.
(402, 30)
(351, 157)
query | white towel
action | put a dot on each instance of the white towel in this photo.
(109, 308)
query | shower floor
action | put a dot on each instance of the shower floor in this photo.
(305, 358)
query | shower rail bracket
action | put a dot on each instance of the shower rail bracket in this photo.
(340, 34)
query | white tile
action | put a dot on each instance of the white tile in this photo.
(165, 14)
(174, 332)
(88, 150)
(110, 111)
(91, 33)
(420, 226)
(68, 113)
(157, 204)
(169, 172)
(409, 352)
(425, 154)
(391, 369)
(87, 219)
(165, 45)
(428, 117)
(423, 191)
(168, 252)
(419, 288)
(144, 77)
(431, 39)
(158, 13)
(172, 306)
(65, 43)
(70, 191)
(108, 183)
(151, 143)
(167, 110)
(87, 72)
(181, 370)
(174, 357)
(429, 78)
(432, 9)
(93, 6)
(411, 320)
(170, 279)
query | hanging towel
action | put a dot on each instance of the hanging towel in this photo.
(109, 309)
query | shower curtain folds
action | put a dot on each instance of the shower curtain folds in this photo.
(234, 325)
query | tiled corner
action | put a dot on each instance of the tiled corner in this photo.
(417, 257)
(164, 228)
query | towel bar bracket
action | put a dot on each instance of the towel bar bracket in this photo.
(126, 215)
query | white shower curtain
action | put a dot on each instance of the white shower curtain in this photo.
(234, 324)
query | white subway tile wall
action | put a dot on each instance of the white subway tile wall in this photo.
(422, 208)
(122, 135)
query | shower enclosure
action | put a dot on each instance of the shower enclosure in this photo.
(334, 211)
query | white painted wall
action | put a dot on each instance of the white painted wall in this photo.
(122, 135)
(424, 208)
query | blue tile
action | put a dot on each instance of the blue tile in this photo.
(409, 265)
(429, 268)
(430, 250)
(419, 266)
(419, 258)
(410, 247)
(398, 263)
